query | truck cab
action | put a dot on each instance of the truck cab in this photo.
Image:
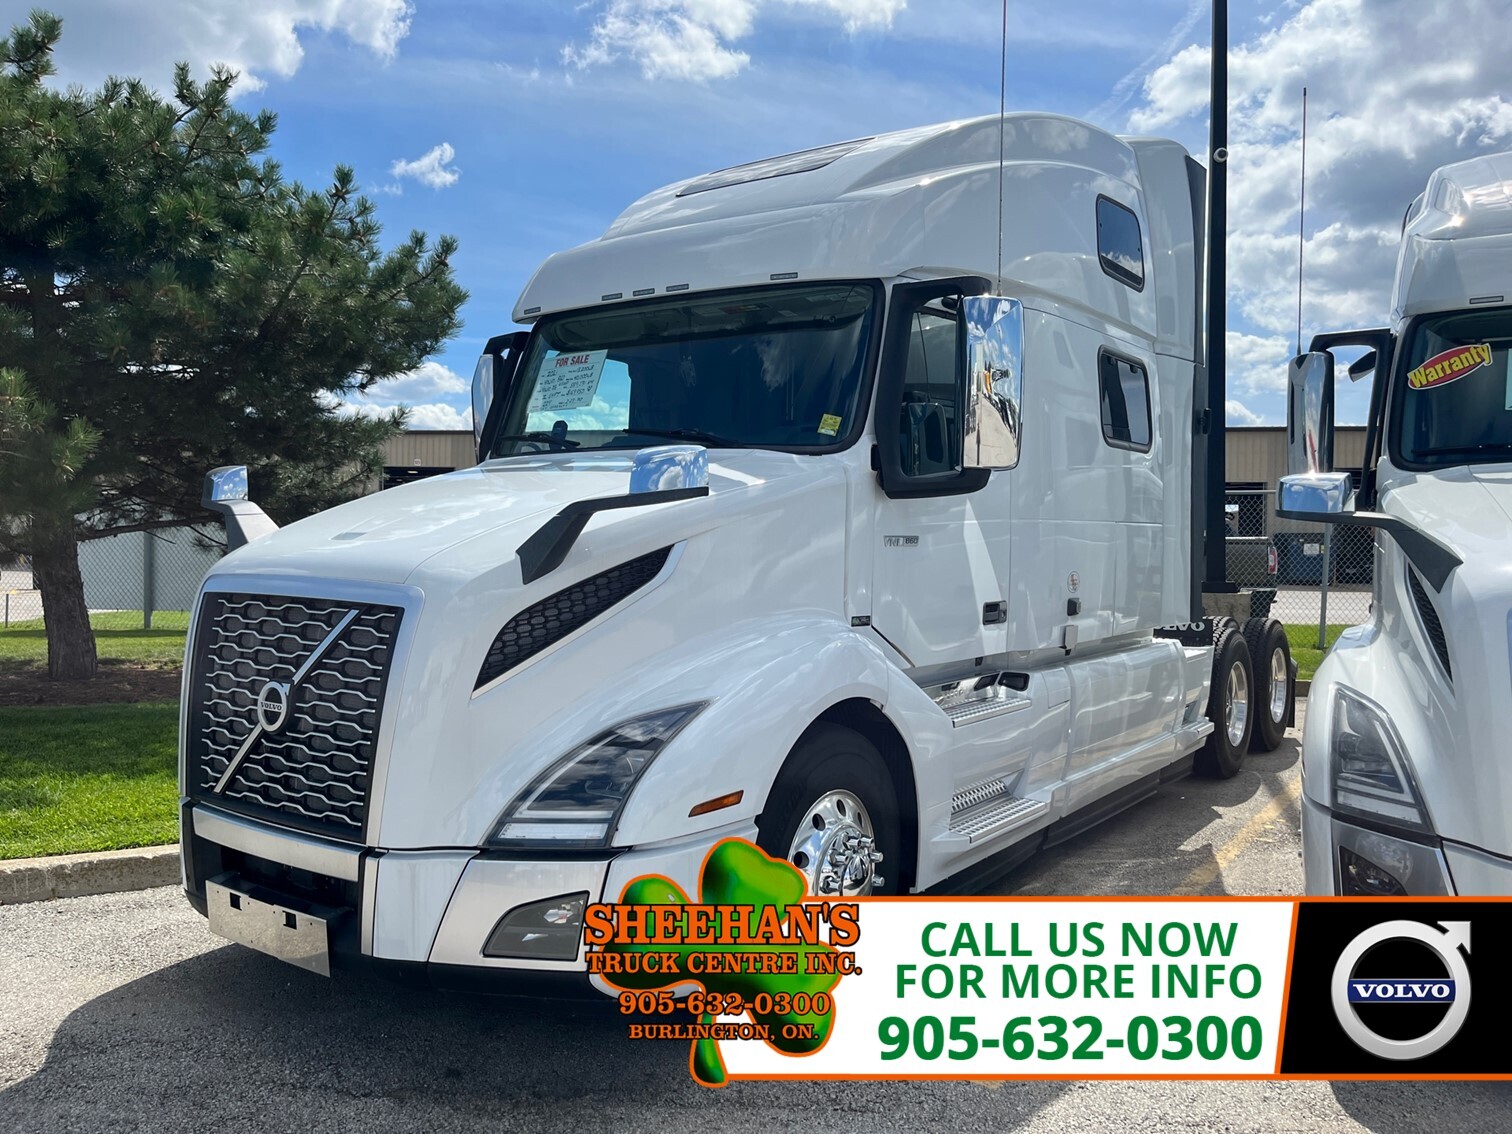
(833, 501)
(1405, 787)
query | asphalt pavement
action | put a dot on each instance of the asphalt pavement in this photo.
(122, 1012)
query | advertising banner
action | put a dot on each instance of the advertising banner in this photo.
(764, 983)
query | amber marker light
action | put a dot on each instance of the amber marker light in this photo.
(718, 803)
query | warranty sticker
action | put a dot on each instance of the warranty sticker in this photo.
(829, 424)
(1450, 365)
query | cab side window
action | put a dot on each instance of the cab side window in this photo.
(929, 434)
(1120, 250)
(1124, 391)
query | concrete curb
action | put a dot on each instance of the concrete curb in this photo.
(77, 875)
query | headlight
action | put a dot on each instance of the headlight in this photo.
(577, 801)
(1371, 776)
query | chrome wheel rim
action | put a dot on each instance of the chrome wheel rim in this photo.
(1278, 682)
(836, 848)
(1236, 712)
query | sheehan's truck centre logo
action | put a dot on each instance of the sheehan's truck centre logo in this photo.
(764, 981)
(766, 961)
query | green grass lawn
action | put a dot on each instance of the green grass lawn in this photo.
(86, 778)
(118, 636)
(1304, 646)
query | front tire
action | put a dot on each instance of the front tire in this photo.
(1270, 653)
(833, 813)
(1228, 706)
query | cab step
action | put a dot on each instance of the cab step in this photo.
(987, 810)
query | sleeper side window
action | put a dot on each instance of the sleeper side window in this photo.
(1124, 392)
(1120, 250)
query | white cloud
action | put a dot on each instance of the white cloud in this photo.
(693, 39)
(1257, 363)
(436, 415)
(102, 37)
(431, 168)
(1241, 414)
(1396, 88)
(427, 392)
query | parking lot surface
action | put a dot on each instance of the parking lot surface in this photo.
(122, 1012)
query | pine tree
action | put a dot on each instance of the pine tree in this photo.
(169, 295)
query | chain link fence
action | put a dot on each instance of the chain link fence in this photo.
(137, 576)
(1323, 575)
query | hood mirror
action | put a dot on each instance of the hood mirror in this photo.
(229, 482)
(667, 467)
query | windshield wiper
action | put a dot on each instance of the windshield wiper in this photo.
(697, 435)
(541, 436)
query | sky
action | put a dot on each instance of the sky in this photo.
(523, 127)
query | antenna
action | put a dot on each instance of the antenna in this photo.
(1301, 219)
(1002, 111)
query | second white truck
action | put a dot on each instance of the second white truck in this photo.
(1407, 787)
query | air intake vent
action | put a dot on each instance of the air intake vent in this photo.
(1432, 627)
(552, 619)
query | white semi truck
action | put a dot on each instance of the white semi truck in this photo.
(807, 511)
(1406, 782)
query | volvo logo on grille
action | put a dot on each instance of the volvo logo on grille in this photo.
(273, 706)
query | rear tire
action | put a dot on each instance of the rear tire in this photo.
(835, 788)
(1271, 704)
(1228, 706)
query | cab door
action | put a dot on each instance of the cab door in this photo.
(941, 530)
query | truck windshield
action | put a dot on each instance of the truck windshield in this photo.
(1454, 401)
(776, 367)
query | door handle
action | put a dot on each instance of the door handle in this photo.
(994, 613)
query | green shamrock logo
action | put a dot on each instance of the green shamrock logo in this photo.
(738, 873)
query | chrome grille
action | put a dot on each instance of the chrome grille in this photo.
(312, 768)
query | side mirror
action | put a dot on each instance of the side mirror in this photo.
(994, 329)
(1362, 365)
(666, 467)
(1309, 414)
(485, 376)
(1311, 487)
(491, 382)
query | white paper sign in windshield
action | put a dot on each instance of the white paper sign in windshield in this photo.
(568, 381)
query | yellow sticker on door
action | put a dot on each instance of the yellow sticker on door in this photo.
(1449, 365)
(829, 424)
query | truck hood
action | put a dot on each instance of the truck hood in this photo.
(1462, 762)
(391, 536)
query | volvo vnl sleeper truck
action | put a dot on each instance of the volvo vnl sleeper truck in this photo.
(1407, 786)
(799, 517)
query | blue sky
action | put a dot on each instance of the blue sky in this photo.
(524, 128)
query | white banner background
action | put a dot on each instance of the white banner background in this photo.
(892, 935)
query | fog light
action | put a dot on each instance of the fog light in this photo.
(1358, 876)
(541, 931)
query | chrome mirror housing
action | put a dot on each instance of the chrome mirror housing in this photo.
(994, 381)
(1309, 414)
(666, 467)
